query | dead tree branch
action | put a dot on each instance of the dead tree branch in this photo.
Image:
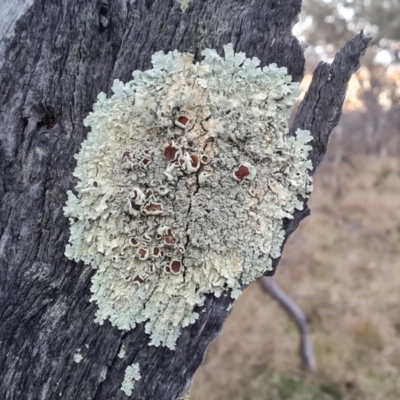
(270, 286)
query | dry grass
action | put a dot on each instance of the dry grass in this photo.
(342, 266)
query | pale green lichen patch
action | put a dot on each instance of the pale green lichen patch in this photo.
(121, 353)
(78, 357)
(184, 181)
(184, 4)
(132, 374)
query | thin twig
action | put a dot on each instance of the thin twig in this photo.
(270, 286)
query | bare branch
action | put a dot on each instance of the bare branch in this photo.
(321, 108)
(270, 286)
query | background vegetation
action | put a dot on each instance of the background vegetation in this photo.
(342, 266)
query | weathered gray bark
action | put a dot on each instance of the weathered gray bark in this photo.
(10, 12)
(63, 54)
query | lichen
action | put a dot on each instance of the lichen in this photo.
(132, 374)
(121, 353)
(78, 357)
(183, 185)
(184, 4)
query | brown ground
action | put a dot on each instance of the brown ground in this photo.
(342, 266)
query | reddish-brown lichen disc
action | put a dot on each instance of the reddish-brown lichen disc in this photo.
(170, 152)
(138, 279)
(183, 120)
(175, 266)
(134, 242)
(195, 160)
(154, 207)
(242, 172)
(145, 161)
(167, 269)
(95, 184)
(146, 237)
(204, 159)
(156, 251)
(169, 240)
(126, 154)
(142, 252)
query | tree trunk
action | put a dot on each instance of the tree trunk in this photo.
(10, 12)
(62, 55)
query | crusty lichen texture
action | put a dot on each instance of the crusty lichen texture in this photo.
(184, 4)
(132, 374)
(184, 181)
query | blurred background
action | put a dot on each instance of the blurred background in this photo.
(342, 266)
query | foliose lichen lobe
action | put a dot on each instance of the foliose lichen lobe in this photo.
(78, 357)
(132, 374)
(183, 184)
(184, 4)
